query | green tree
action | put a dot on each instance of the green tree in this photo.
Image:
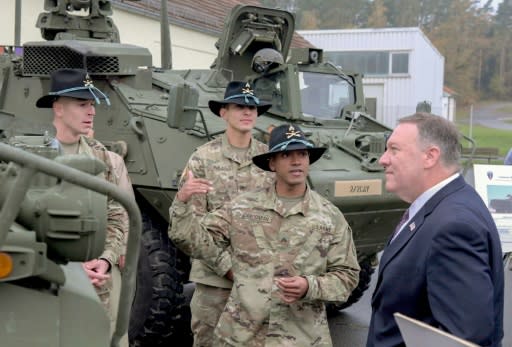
(378, 18)
(460, 37)
(334, 14)
(403, 13)
(308, 20)
(499, 62)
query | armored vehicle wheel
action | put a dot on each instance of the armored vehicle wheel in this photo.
(158, 300)
(365, 276)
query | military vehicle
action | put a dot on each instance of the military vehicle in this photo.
(501, 205)
(53, 215)
(160, 115)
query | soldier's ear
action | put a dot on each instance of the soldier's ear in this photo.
(222, 111)
(271, 165)
(57, 108)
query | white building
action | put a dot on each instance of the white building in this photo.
(401, 67)
(449, 103)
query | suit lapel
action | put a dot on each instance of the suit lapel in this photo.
(415, 224)
(391, 250)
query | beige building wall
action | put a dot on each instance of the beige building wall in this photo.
(190, 49)
(30, 10)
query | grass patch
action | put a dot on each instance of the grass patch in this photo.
(462, 113)
(487, 137)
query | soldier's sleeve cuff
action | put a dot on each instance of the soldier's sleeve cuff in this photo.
(109, 264)
(223, 263)
(180, 209)
(312, 288)
(109, 256)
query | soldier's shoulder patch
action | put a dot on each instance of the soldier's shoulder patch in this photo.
(95, 144)
(262, 147)
(207, 151)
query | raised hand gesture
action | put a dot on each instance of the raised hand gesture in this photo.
(193, 186)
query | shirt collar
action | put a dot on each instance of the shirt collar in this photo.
(273, 203)
(247, 160)
(426, 195)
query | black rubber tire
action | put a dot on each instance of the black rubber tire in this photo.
(365, 277)
(158, 302)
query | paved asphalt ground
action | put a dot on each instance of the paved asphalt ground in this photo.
(350, 327)
(492, 115)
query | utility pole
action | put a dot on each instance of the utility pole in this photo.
(165, 37)
(17, 23)
(471, 121)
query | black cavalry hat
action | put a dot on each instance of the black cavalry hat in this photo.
(74, 83)
(287, 137)
(239, 93)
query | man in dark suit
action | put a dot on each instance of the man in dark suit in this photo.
(443, 265)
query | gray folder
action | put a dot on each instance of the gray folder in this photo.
(419, 334)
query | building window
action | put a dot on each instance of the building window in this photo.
(371, 63)
(399, 63)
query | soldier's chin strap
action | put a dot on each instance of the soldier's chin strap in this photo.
(92, 89)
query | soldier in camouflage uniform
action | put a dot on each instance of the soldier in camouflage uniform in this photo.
(72, 99)
(223, 169)
(292, 250)
(123, 181)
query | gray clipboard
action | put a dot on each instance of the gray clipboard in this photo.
(419, 334)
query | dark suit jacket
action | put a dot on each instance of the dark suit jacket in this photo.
(445, 268)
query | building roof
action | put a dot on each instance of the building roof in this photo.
(205, 16)
(374, 32)
(449, 92)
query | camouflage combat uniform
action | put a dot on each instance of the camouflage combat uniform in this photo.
(312, 239)
(117, 217)
(123, 181)
(231, 173)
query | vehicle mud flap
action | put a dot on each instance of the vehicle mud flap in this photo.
(156, 317)
(365, 277)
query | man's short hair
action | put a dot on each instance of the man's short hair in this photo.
(436, 130)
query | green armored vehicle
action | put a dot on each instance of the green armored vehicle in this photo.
(160, 115)
(53, 214)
